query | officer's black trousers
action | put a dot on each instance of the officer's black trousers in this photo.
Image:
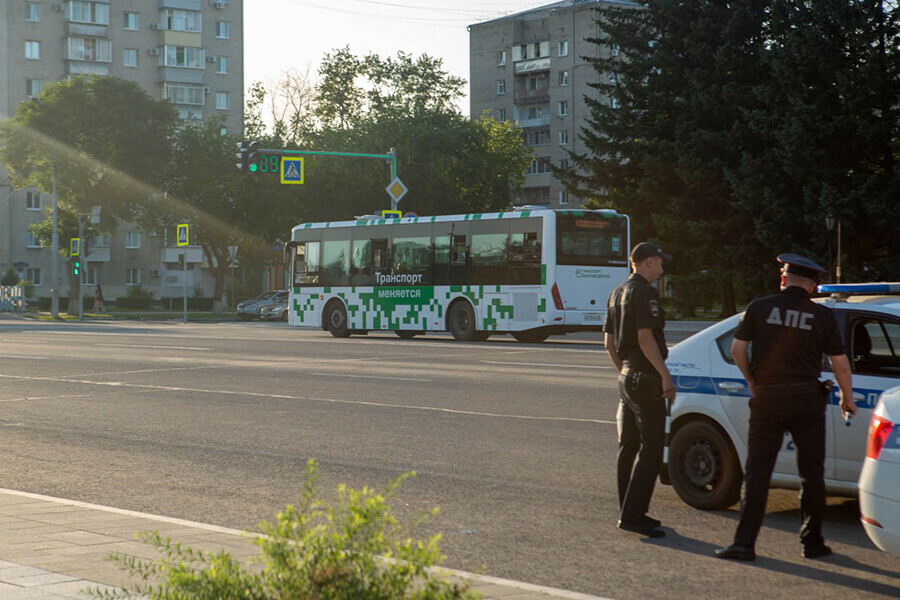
(641, 422)
(804, 417)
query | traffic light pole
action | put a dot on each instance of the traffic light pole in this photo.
(79, 299)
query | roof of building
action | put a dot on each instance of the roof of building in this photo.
(554, 6)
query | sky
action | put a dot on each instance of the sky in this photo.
(295, 34)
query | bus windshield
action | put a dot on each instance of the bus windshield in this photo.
(591, 239)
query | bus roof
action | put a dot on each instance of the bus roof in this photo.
(513, 214)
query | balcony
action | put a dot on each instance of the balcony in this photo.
(536, 122)
(533, 65)
(532, 96)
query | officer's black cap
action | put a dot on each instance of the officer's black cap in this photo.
(800, 265)
(645, 250)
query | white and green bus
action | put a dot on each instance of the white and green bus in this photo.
(531, 273)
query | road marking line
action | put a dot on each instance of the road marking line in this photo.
(24, 357)
(370, 377)
(521, 364)
(310, 399)
(155, 347)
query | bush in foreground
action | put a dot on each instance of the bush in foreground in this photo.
(356, 550)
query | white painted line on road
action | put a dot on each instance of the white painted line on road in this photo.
(370, 377)
(310, 399)
(155, 347)
(25, 357)
(522, 364)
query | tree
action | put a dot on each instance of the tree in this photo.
(223, 206)
(104, 139)
(371, 104)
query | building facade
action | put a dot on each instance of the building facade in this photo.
(530, 68)
(189, 52)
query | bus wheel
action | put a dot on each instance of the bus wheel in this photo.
(336, 320)
(461, 321)
(407, 334)
(703, 467)
(531, 337)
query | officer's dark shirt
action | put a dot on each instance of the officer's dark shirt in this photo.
(635, 305)
(790, 333)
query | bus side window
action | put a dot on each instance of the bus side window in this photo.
(380, 261)
(308, 264)
(459, 253)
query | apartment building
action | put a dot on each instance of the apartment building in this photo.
(530, 68)
(189, 52)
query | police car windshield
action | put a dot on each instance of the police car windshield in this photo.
(591, 239)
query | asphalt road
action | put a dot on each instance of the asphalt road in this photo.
(514, 442)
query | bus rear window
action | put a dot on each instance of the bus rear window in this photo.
(591, 239)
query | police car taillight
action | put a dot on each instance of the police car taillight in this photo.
(879, 430)
(557, 299)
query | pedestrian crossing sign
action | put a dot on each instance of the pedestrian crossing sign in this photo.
(292, 170)
(183, 237)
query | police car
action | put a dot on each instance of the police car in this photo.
(879, 482)
(710, 417)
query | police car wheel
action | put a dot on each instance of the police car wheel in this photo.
(336, 319)
(704, 467)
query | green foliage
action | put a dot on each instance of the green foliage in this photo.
(10, 277)
(135, 297)
(356, 549)
(737, 127)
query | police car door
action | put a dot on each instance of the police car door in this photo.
(873, 343)
(732, 390)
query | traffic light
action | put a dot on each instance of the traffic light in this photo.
(86, 246)
(253, 150)
(243, 156)
(76, 267)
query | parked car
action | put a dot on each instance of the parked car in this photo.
(879, 481)
(274, 312)
(710, 417)
(249, 309)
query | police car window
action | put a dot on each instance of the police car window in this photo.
(875, 347)
(724, 344)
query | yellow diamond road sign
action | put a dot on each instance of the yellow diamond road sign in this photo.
(396, 190)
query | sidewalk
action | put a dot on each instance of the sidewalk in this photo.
(52, 549)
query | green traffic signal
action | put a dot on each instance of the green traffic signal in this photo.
(253, 167)
(76, 268)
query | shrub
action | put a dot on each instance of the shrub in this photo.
(136, 297)
(355, 550)
(193, 302)
(9, 277)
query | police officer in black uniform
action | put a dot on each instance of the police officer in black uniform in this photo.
(790, 333)
(633, 335)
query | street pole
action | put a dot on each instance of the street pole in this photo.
(78, 298)
(184, 286)
(54, 257)
(839, 251)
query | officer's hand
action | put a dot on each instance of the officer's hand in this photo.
(847, 404)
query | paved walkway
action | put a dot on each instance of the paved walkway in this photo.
(54, 549)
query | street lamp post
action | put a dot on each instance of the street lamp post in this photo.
(829, 224)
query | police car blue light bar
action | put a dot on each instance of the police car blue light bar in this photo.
(860, 288)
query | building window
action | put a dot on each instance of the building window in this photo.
(614, 50)
(33, 201)
(130, 57)
(537, 138)
(132, 240)
(563, 107)
(501, 115)
(563, 78)
(33, 274)
(184, 56)
(182, 20)
(562, 48)
(32, 50)
(223, 29)
(564, 163)
(222, 100)
(130, 21)
(563, 137)
(563, 197)
(501, 87)
(32, 241)
(102, 240)
(539, 165)
(89, 275)
(32, 11)
(613, 78)
(96, 13)
(33, 87)
(614, 103)
(132, 277)
(222, 65)
(185, 94)
(89, 48)
(501, 58)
